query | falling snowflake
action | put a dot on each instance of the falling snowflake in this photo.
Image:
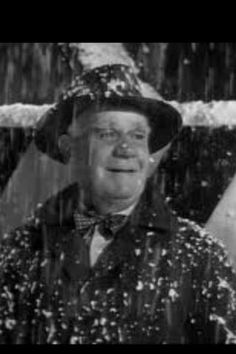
(139, 285)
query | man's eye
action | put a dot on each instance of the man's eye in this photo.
(107, 134)
(138, 135)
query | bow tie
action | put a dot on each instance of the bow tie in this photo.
(107, 225)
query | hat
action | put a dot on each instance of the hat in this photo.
(114, 85)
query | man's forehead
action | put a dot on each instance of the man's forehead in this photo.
(110, 116)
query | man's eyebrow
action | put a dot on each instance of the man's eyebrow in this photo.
(114, 125)
(143, 128)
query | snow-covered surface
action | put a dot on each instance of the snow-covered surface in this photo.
(196, 113)
(21, 115)
(214, 113)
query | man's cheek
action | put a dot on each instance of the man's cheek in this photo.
(97, 164)
(100, 173)
(143, 161)
(98, 156)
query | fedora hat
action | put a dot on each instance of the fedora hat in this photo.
(113, 85)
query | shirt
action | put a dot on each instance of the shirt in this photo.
(99, 243)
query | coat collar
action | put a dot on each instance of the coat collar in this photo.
(151, 212)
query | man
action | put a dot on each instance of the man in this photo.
(105, 261)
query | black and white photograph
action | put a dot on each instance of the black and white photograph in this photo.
(118, 193)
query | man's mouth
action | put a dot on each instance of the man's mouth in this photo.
(122, 170)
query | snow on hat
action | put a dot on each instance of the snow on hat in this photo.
(114, 85)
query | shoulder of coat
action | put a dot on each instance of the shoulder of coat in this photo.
(24, 237)
(192, 235)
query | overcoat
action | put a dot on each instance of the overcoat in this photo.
(162, 279)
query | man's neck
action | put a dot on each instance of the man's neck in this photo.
(114, 206)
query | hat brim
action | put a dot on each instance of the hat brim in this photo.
(164, 120)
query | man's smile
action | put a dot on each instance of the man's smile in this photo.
(122, 169)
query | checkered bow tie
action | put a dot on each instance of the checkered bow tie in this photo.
(107, 225)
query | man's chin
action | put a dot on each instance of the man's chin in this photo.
(122, 193)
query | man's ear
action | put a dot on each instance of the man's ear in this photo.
(155, 159)
(64, 144)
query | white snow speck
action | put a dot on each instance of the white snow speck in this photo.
(173, 294)
(139, 285)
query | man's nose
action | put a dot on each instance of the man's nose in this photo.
(124, 149)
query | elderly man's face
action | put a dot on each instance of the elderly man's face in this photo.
(117, 154)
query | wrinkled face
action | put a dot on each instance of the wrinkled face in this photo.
(117, 154)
